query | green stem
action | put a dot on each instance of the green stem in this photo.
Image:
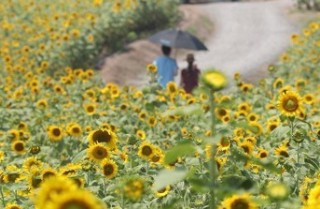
(212, 163)
(2, 197)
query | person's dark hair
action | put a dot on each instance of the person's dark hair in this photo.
(166, 50)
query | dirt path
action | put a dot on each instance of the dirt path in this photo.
(247, 37)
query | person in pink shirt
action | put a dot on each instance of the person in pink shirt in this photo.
(190, 75)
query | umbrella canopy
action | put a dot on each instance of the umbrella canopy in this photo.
(176, 38)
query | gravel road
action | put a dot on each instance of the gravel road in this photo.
(247, 37)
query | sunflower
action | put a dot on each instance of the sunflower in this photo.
(290, 103)
(300, 83)
(313, 199)
(309, 98)
(247, 147)
(134, 188)
(278, 83)
(146, 149)
(13, 135)
(58, 89)
(152, 121)
(12, 206)
(226, 118)
(55, 133)
(18, 146)
(246, 87)
(214, 79)
(143, 115)
(80, 199)
(98, 152)
(253, 117)
(47, 173)
(271, 126)
(52, 187)
(243, 201)
(31, 162)
(34, 182)
(141, 134)
(70, 170)
(2, 155)
(35, 150)
(163, 192)
(251, 139)
(262, 153)
(277, 191)
(255, 128)
(221, 112)
(103, 136)
(152, 68)
(123, 107)
(23, 126)
(239, 132)
(90, 109)
(157, 156)
(245, 106)
(282, 151)
(109, 168)
(224, 144)
(74, 129)
(171, 88)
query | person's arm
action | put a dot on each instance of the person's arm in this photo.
(176, 68)
(181, 79)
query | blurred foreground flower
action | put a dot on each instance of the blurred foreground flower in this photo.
(214, 79)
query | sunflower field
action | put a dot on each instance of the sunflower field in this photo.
(69, 141)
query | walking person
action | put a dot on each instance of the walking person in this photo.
(190, 75)
(167, 67)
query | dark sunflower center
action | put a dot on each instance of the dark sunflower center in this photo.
(155, 158)
(284, 153)
(272, 127)
(222, 112)
(245, 149)
(48, 174)
(240, 204)
(162, 190)
(75, 204)
(152, 121)
(308, 98)
(146, 150)
(19, 147)
(75, 130)
(263, 155)
(101, 136)
(100, 153)
(291, 104)
(172, 89)
(35, 182)
(90, 109)
(56, 132)
(108, 169)
(252, 118)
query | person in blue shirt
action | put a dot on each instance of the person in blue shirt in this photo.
(167, 67)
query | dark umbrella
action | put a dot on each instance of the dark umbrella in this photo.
(176, 38)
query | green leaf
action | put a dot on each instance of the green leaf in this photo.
(312, 161)
(194, 109)
(182, 149)
(168, 177)
(199, 185)
(80, 156)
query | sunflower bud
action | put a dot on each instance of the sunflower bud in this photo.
(35, 150)
(214, 79)
(277, 191)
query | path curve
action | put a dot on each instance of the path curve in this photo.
(248, 36)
